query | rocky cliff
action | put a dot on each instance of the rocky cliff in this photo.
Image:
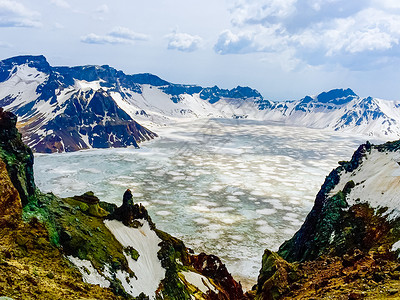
(31, 267)
(17, 156)
(80, 247)
(348, 246)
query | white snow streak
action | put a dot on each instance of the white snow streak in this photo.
(89, 273)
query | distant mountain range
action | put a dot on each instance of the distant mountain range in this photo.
(72, 108)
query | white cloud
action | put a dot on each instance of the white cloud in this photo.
(58, 25)
(127, 34)
(368, 30)
(259, 39)
(118, 35)
(15, 14)
(230, 43)
(389, 4)
(255, 11)
(60, 3)
(184, 42)
(316, 31)
(286, 59)
(103, 9)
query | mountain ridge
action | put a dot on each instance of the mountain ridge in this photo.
(43, 96)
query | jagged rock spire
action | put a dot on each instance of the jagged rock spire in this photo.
(129, 212)
(128, 198)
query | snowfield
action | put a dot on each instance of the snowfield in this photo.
(147, 268)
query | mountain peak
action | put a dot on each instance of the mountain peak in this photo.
(337, 96)
(21, 59)
(38, 62)
(147, 78)
(35, 61)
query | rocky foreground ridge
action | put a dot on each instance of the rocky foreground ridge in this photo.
(348, 246)
(84, 248)
(72, 108)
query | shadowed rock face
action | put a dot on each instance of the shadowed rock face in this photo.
(98, 123)
(17, 156)
(10, 202)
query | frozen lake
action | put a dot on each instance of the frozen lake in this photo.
(226, 187)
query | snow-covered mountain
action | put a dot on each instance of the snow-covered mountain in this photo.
(340, 110)
(67, 109)
(72, 108)
(60, 113)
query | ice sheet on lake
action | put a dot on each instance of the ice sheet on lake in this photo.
(212, 190)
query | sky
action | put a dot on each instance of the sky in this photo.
(285, 49)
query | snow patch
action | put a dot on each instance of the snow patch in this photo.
(396, 246)
(89, 85)
(199, 281)
(89, 273)
(147, 268)
(377, 181)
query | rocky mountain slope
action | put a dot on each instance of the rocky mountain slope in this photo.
(72, 108)
(81, 247)
(60, 113)
(348, 246)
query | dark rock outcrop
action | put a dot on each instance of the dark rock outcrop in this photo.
(212, 267)
(17, 156)
(88, 203)
(275, 276)
(128, 213)
(98, 123)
